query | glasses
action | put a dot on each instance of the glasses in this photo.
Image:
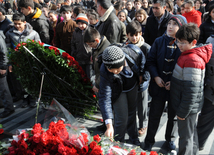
(180, 43)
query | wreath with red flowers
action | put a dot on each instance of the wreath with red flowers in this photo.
(64, 79)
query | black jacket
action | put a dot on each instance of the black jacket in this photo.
(40, 24)
(152, 31)
(206, 30)
(4, 26)
(112, 29)
(3, 53)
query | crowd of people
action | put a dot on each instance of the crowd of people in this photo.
(135, 49)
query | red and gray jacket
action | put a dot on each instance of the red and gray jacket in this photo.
(187, 83)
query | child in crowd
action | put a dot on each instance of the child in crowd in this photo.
(129, 7)
(134, 35)
(93, 17)
(80, 51)
(54, 19)
(187, 85)
(98, 44)
(122, 16)
(65, 29)
(137, 6)
(21, 31)
(141, 17)
(161, 60)
(120, 75)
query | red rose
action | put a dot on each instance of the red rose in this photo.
(97, 137)
(97, 151)
(18, 45)
(22, 145)
(65, 55)
(153, 153)
(29, 152)
(132, 152)
(84, 150)
(61, 148)
(93, 144)
(85, 137)
(72, 151)
(36, 137)
(1, 131)
(94, 96)
(24, 44)
(143, 153)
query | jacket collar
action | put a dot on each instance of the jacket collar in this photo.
(106, 14)
(37, 14)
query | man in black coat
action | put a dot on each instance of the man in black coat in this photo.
(4, 90)
(4, 21)
(37, 20)
(157, 23)
(109, 25)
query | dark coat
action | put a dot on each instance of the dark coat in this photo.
(96, 54)
(5, 24)
(112, 29)
(206, 30)
(79, 50)
(152, 31)
(64, 33)
(40, 24)
(187, 83)
(162, 48)
(3, 53)
(111, 84)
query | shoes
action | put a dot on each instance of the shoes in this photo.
(142, 131)
(201, 148)
(137, 142)
(6, 113)
(147, 147)
(170, 145)
(101, 127)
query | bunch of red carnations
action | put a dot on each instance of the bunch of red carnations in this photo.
(54, 141)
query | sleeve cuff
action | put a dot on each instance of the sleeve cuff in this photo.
(108, 121)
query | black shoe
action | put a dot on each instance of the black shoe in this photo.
(147, 147)
(101, 127)
(6, 113)
(170, 145)
(201, 148)
(137, 142)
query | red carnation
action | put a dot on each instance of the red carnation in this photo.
(132, 152)
(24, 44)
(84, 150)
(85, 137)
(22, 145)
(36, 138)
(93, 144)
(65, 55)
(143, 153)
(18, 45)
(153, 153)
(1, 131)
(97, 138)
(97, 151)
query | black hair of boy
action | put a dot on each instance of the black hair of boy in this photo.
(65, 8)
(161, 2)
(26, 3)
(2, 10)
(93, 13)
(188, 32)
(138, 1)
(133, 28)
(77, 10)
(18, 16)
(90, 35)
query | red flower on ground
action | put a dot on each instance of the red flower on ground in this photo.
(93, 144)
(97, 138)
(97, 151)
(132, 152)
(153, 153)
(143, 153)
(18, 45)
(1, 131)
(24, 44)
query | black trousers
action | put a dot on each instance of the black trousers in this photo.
(205, 122)
(5, 95)
(155, 113)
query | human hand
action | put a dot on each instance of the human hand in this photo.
(2, 72)
(159, 81)
(10, 68)
(95, 89)
(167, 85)
(109, 131)
(182, 119)
(140, 79)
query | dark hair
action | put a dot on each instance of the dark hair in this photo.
(53, 12)
(90, 35)
(138, 1)
(133, 28)
(200, 1)
(188, 32)
(190, 2)
(2, 10)
(171, 5)
(18, 16)
(161, 2)
(141, 12)
(118, 6)
(104, 3)
(26, 3)
(93, 13)
(65, 8)
(77, 10)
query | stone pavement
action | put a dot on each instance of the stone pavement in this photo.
(25, 118)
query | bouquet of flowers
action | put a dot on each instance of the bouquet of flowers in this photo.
(64, 78)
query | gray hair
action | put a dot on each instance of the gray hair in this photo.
(190, 2)
(161, 2)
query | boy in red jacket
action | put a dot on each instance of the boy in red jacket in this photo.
(187, 85)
